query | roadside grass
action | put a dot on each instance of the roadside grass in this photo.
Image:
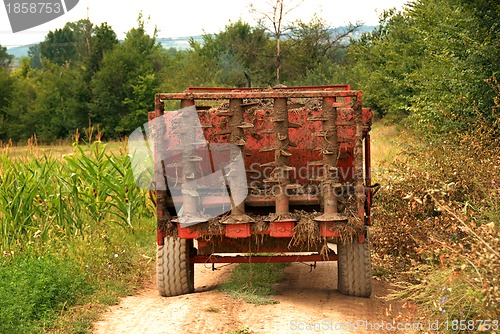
(384, 147)
(57, 293)
(386, 139)
(36, 289)
(66, 289)
(254, 283)
(75, 235)
(436, 224)
(117, 265)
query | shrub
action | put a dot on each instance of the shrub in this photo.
(35, 289)
(437, 222)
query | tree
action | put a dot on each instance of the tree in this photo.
(59, 108)
(230, 53)
(16, 120)
(272, 20)
(125, 79)
(35, 56)
(102, 40)
(6, 87)
(5, 58)
(78, 41)
(382, 60)
(52, 89)
(5, 96)
(60, 46)
(315, 45)
(432, 62)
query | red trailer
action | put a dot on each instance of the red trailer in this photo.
(304, 153)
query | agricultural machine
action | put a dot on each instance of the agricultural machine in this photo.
(262, 175)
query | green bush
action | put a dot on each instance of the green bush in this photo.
(35, 289)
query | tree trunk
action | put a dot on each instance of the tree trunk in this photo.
(278, 61)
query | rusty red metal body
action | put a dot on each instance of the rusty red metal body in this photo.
(304, 148)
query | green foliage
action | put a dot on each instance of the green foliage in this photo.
(102, 185)
(238, 48)
(242, 330)
(17, 120)
(80, 75)
(427, 65)
(35, 289)
(313, 53)
(6, 90)
(103, 39)
(58, 109)
(312, 42)
(72, 230)
(380, 62)
(125, 82)
(5, 58)
(431, 63)
(78, 41)
(138, 103)
(59, 45)
(50, 95)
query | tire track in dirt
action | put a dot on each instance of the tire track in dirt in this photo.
(148, 312)
(308, 303)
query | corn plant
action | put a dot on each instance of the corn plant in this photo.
(23, 208)
(42, 198)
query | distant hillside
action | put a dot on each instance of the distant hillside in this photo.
(19, 51)
(178, 43)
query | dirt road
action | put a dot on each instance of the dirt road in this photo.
(308, 303)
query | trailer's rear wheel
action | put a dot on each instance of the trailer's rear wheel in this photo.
(354, 268)
(174, 272)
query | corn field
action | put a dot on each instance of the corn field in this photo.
(43, 198)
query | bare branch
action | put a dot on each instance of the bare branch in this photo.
(294, 7)
(276, 22)
(274, 15)
(352, 27)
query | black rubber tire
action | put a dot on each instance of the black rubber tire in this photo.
(354, 269)
(175, 275)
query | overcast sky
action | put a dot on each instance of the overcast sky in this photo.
(192, 17)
